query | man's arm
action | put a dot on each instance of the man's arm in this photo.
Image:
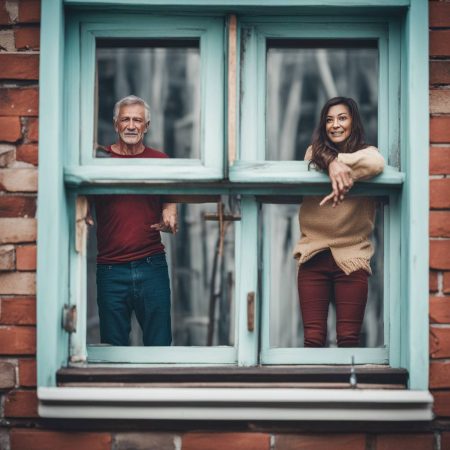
(169, 219)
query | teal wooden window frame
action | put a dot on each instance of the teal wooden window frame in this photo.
(60, 180)
(82, 31)
(252, 164)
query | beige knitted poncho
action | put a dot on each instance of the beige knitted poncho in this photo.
(345, 229)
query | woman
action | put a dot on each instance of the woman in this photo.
(334, 250)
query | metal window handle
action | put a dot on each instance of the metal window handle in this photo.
(251, 311)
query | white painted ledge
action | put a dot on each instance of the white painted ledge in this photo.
(274, 404)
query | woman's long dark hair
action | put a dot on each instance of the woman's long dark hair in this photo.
(323, 150)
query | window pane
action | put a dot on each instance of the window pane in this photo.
(302, 75)
(166, 74)
(200, 259)
(281, 231)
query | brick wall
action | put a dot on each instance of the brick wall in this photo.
(20, 429)
(440, 205)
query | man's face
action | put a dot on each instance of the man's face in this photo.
(130, 124)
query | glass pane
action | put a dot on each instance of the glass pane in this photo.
(281, 231)
(166, 74)
(302, 76)
(200, 259)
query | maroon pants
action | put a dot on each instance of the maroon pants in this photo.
(319, 280)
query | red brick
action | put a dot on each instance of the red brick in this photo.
(26, 257)
(439, 14)
(320, 441)
(27, 38)
(33, 129)
(439, 101)
(4, 16)
(7, 377)
(439, 72)
(18, 311)
(441, 403)
(439, 375)
(21, 404)
(445, 441)
(17, 340)
(7, 155)
(26, 439)
(433, 281)
(439, 160)
(405, 442)
(439, 342)
(19, 102)
(440, 129)
(19, 66)
(440, 43)
(29, 11)
(7, 258)
(446, 282)
(27, 373)
(19, 180)
(226, 441)
(440, 309)
(27, 153)
(440, 193)
(17, 206)
(10, 129)
(17, 283)
(17, 230)
(440, 223)
(440, 254)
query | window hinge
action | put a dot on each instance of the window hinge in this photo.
(69, 319)
(251, 311)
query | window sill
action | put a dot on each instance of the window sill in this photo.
(234, 403)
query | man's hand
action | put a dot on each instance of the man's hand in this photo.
(169, 219)
(341, 181)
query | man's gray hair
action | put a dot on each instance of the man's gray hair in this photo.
(131, 100)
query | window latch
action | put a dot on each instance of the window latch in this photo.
(69, 319)
(251, 311)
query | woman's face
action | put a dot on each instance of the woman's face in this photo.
(338, 124)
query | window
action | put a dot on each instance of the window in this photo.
(260, 185)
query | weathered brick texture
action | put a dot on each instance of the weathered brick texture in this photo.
(440, 43)
(21, 404)
(27, 38)
(7, 257)
(23, 439)
(439, 374)
(225, 441)
(145, 441)
(26, 257)
(27, 373)
(19, 66)
(439, 101)
(17, 340)
(440, 223)
(439, 254)
(19, 180)
(440, 129)
(19, 101)
(18, 311)
(446, 283)
(440, 309)
(33, 129)
(27, 153)
(7, 375)
(320, 441)
(439, 14)
(439, 342)
(442, 403)
(29, 11)
(440, 161)
(10, 129)
(405, 442)
(439, 72)
(17, 230)
(433, 281)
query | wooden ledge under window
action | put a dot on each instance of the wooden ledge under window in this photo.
(319, 377)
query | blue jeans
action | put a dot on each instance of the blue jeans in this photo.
(142, 286)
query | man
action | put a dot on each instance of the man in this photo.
(132, 270)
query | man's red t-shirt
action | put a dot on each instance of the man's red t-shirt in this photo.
(123, 222)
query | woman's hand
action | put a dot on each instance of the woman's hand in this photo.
(341, 181)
